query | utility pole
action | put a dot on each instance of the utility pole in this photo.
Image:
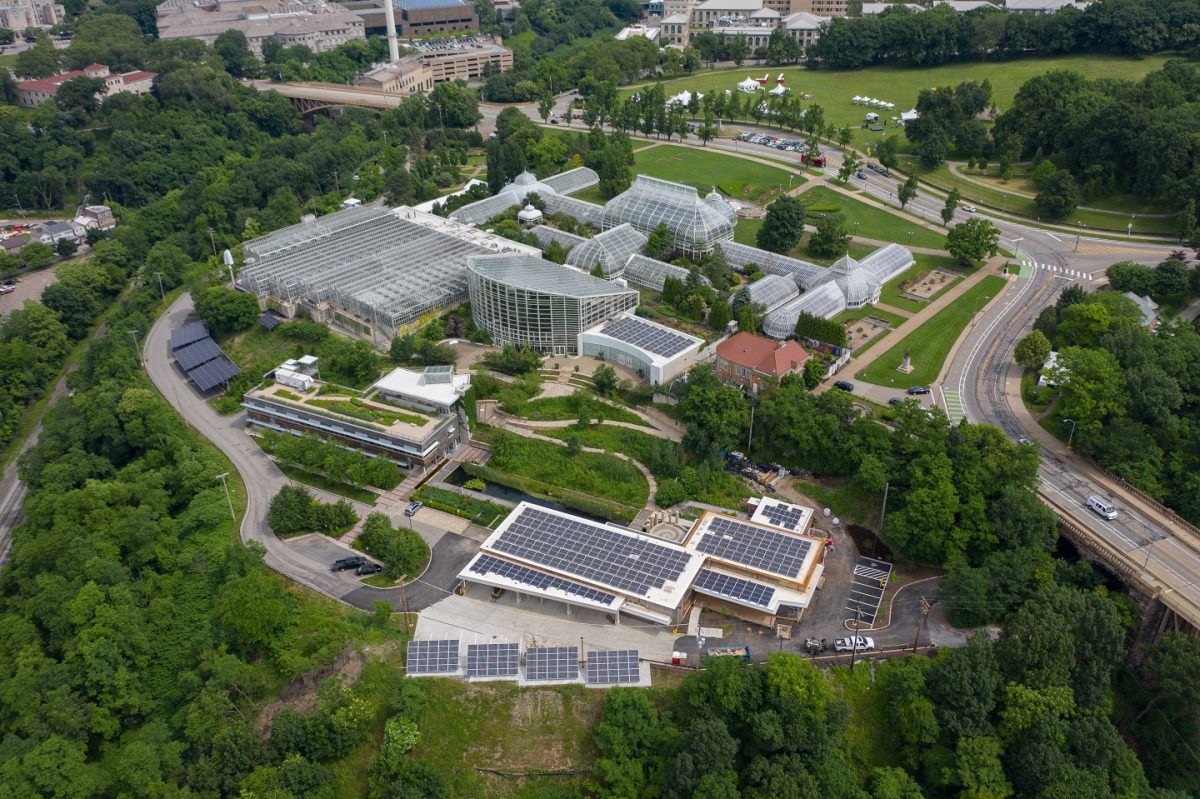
(925, 606)
(212, 240)
(404, 607)
(1072, 434)
(750, 437)
(228, 497)
(883, 508)
(136, 348)
(162, 293)
(857, 622)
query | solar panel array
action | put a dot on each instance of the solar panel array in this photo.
(756, 547)
(789, 517)
(270, 321)
(493, 660)
(199, 356)
(746, 591)
(648, 336)
(594, 552)
(194, 354)
(612, 668)
(188, 333)
(432, 657)
(552, 663)
(487, 564)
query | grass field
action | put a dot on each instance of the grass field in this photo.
(332, 486)
(736, 177)
(997, 196)
(900, 85)
(869, 310)
(924, 263)
(931, 342)
(874, 223)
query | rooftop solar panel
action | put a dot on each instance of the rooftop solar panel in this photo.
(737, 588)
(612, 668)
(596, 553)
(736, 541)
(493, 660)
(552, 663)
(649, 337)
(432, 657)
(208, 376)
(788, 517)
(486, 564)
(270, 321)
(188, 333)
(196, 353)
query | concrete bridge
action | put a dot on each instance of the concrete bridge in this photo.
(309, 97)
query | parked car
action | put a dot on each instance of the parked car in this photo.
(914, 391)
(7, 289)
(844, 385)
(865, 644)
(368, 568)
(12, 281)
(895, 400)
(970, 209)
(349, 562)
(413, 507)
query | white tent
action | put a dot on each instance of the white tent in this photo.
(749, 86)
(856, 99)
(909, 116)
(684, 98)
(778, 91)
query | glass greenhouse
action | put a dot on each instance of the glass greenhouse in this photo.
(652, 274)
(805, 274)
(771, 291)
(545, 234)
(824, 301)
(887, 263)
(696, 226)
(526, 301)
(858, 286)
(610, 249)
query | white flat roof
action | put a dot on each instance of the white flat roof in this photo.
(412, 384)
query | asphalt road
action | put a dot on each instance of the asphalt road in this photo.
(263, 479)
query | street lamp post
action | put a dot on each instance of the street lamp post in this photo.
(136, 349)
(1072, 433)
(228, 497)
(160, 285)
(212, 240)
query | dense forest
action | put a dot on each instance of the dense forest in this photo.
(940, 35)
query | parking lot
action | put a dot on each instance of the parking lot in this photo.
(28, 287)
(867, 585)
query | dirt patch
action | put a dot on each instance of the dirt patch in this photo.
(859, 332)
(868, 543)
(301, 693)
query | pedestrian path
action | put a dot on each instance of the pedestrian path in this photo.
(954, 405)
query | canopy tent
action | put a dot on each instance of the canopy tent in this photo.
(749, 85)
(909, 116)
(684, 98)
(778, 91)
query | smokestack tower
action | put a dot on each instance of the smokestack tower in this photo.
(389, 15)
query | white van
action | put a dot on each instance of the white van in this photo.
(1101, 508)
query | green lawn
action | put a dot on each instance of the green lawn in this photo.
(480, 511)
(554, 409)
(736, 177)
(332, 486)
(996, 196)
(593, 473)
(900, 85)
(891, 294)
(869, 310)
(931, 342)
(746, 230)
(874, 223)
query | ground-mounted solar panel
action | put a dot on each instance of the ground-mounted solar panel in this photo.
(196, 353)
(493, 660)
(596, 553)
(432, 657)
(547, 663)
(209, 375)
(270, 321)
(612, 667)
(735, 588)
(735, 541)
(649, 337)
(487, 564)
(188, 333)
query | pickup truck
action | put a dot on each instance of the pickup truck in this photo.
(865, 644)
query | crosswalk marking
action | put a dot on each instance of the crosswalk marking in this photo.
(866, 571)
(954, 405)
(1060, 270)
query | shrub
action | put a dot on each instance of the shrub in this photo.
(295, 510)
(402, 551)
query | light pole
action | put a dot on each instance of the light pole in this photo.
(212, 240)
(162, 293)
(1072, 434)
(910, 235)
(228, 498)
(856, 221)
(136, 349)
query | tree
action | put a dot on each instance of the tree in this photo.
(36, 255)
(402, 551)
(719, 315)
(660, 242)
(453, 105)
(1032, 350)
(1059, 195)
(783, 225)
(605, 379)
(951, 205)
(231, 45)
(715, 413)
(1185, 225)
(79, 98)
(973, 241)
(908, 191)
(255, 609)
(886, 151)
(291, 510)
(963, 685)
(850, 164)
(75, 303)
(226, 311)
(65, 248)
(707, 130)
(399, 187)
(1091, 386)
(39, 61)
(546, 106)
(1130, 276)
(831, 238)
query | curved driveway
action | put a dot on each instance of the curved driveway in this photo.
(293, 559)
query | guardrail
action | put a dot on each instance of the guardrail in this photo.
(1187, 526)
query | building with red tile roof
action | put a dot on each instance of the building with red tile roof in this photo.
(754, 362)
(32, 93)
